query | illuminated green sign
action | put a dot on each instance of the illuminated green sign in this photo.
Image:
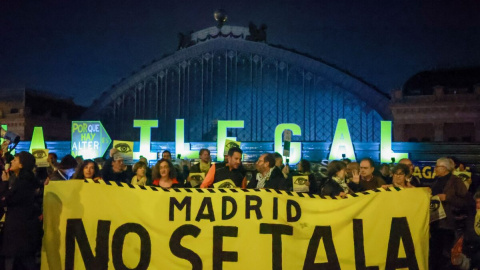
(145, 138)
(342, 146)
(89, 139)
(85, 137)
(38, 142)
(180, 146)
(386, 153)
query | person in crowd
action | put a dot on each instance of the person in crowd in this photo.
(367, 180)
(205, 162)
(115, 170)
(149, 170)
(346, 161)
(267, 175)
(304, 168)
(454, 197)
(167, 155)
(470, 250)
(53, 162)
(203, 166)
(79, 160)
(230, 171)
(65, 170)
(336, 185)
(100, 162)
(278, 160)
(20, 231)
(351, 168)
(280, 165)
(412, 179)
(180, 171)
(88, 170)
(400, 172)
(140, 171)
(385, 173)
(164, 175)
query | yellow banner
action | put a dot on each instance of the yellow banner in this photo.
(98, 226)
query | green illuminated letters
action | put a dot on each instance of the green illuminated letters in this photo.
(180, 146)
(342, 142)
(38, 142)
(386, 153)
(222, 135)
(295, 147)
(145, 137)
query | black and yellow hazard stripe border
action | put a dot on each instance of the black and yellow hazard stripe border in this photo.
(238, 190)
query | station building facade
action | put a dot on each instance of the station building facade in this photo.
(223, 74)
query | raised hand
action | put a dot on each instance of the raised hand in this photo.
(356, 177)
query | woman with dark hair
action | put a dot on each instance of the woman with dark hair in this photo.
(164, 175)
(400, 172)
(88, 170)
(20, 231)
(335, 185)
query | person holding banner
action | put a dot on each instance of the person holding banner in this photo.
(20, 232)
(229, 176)
(115, 170)
(88, 170)
(367, 180)
(336, 185)
(400, 172)
(164, 175)
(140, 171)
(267, 174)
(454, 197)
(201, 168)
(412, 179)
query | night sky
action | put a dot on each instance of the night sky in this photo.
(81, 48)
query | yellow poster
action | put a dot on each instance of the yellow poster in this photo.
(229, 144)
(196, 179)
(300, 183)
(41, 157)
(96, 226)
(125, 148)
(226, 183)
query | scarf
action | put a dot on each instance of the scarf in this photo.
(204, 167)
(342, 183)
(262, 179)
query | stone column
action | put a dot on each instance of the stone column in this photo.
(438, 132)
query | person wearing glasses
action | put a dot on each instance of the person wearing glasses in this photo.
(366, 180)
(412, 179)
(399, 179)
(454, 197)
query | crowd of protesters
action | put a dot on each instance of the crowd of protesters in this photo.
(21, 193)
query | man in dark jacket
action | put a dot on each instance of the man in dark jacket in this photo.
(367, 180)
(114, 169)
(455, 198)
(228, 176)
(267, 175)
